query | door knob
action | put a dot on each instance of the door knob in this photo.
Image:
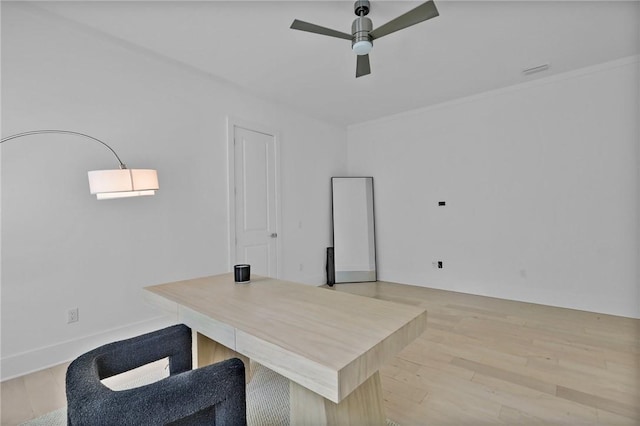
(274, 235)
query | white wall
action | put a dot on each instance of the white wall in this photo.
(541, 186)
(61, 248)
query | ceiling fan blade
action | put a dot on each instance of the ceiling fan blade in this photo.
(313, 28)
(363, 67)
(415, 16)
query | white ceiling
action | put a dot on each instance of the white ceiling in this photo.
(472, 47)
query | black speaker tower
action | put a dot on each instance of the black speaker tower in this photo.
(331, 270)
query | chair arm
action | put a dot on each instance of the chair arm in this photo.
(176, 397)
(173, 342)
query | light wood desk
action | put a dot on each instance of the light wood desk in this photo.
(329, 344)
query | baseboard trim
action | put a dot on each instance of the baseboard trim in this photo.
(317, 280)
(534, 295)
(39, 359)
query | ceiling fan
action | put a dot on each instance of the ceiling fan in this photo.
(362, 32)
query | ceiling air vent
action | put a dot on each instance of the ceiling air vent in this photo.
(534, 70)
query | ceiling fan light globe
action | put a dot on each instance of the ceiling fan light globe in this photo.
(362, 47)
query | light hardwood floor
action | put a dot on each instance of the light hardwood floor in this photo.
(481, 361)
(491, 361)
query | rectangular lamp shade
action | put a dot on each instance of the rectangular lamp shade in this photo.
(120, 183)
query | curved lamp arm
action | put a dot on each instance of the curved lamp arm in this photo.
(65, 132)
(109, 183)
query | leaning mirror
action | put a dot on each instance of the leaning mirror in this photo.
(353, 229)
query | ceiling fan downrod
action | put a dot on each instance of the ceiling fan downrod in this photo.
(361, 7)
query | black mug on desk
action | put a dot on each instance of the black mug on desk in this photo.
(242, 273)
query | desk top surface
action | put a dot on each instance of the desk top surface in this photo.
(330, 328)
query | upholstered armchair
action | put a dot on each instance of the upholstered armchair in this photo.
(211, 395)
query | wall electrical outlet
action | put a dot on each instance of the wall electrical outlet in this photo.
(72, 315)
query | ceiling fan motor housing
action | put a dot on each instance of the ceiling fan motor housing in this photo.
(360, 30)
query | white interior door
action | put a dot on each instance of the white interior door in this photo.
(255, 201)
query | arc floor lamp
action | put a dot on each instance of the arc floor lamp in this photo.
(114, 183)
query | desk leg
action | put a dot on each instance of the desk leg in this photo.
(364, 406)
(208, 352)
